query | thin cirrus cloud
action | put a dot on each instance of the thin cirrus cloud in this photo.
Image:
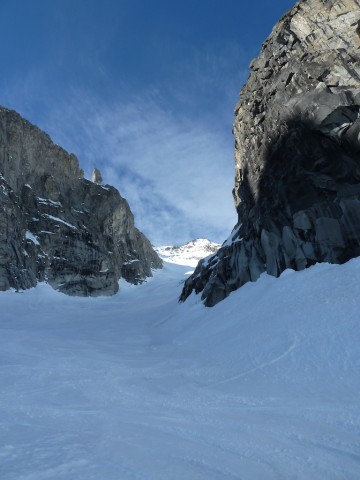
(167, 147)
(145, 92)
(175, 172)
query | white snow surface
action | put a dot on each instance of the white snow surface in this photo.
(60, 220)
(265, 385)
(31, 236)
(47, 201)
(188, 254)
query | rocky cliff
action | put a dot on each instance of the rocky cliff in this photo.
(297, 152)
(77, 235)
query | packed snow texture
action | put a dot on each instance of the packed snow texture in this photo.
(265, 385)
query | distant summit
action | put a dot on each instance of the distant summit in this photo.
(56, 226)
(190, 253)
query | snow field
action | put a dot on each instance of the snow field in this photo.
(265, 385)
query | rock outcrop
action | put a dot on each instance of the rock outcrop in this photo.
(58, 227)
(297, 152)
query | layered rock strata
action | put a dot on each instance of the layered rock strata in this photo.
(58, 227)
(297, 152)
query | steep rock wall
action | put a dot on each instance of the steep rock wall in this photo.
(55, 226)
(297, 152)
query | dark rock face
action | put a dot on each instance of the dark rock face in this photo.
(297, 152)
(77, 235)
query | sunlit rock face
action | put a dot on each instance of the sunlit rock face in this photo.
(297, 152)
(55, 226)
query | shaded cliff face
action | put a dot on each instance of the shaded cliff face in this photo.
(297, 152)
(58, 227)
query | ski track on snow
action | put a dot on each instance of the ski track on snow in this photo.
(262, 365)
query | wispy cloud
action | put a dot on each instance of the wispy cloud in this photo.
(168, 149)
(175, 172)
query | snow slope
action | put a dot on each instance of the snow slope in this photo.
(190, 253)
(265, 385)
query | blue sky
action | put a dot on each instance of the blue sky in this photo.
(145, 91)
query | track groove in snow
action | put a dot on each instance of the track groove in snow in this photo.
(275, 359)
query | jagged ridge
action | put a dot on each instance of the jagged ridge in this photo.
(190, 253)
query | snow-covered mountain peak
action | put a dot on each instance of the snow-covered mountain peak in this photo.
(188, 254)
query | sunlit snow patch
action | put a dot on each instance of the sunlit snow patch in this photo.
(188, 254)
